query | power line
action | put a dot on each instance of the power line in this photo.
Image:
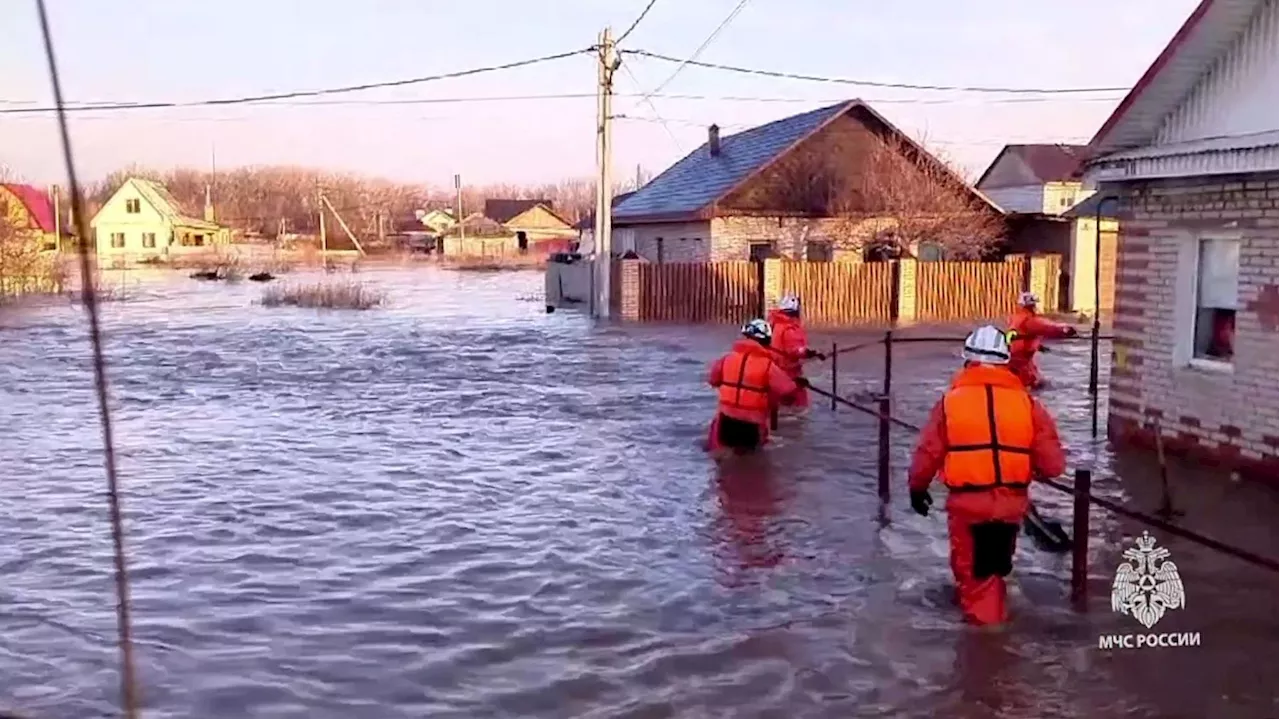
(867, 83)
(306, 93)
(652, 106)
(692, 59)
(636, 22)
(110, 107)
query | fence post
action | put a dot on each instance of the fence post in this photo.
(884, 417)
(759, 287)
(1080, 540)
(835, 373)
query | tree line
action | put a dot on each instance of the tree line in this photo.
(267, 200)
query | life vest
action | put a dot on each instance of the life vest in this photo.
(1021, 342)
(989, 431)
(745, 380)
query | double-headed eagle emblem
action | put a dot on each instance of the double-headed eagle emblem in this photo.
(1148, 584)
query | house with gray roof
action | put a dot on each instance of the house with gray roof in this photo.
(737, 198)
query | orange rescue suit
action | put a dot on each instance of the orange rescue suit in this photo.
(748, 383)
(1029, 330)
(987, 439)
(790, 344)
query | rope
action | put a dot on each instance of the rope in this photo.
(128, 677)
(1244, 555)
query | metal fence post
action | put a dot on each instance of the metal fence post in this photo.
(835, 372)
(1080, 539)
(884, 449)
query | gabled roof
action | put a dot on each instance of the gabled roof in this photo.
(1206, 34)
(37, 203)
(159, 197)
(1048, 163)
(504, 211)
(689, 189)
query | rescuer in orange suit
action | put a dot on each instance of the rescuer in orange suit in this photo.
(986, 439)
(1028, 329)
(749, 382)
(791, 345)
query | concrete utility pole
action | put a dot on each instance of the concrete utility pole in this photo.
(609, 63)
(457, 188)
(324, 239)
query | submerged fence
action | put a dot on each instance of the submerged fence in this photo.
(835, 294)
(1080, 489)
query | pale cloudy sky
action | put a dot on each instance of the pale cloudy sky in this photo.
(185, 50)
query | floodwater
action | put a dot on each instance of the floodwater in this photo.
(459, 506)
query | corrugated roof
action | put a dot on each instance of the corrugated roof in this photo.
(1048, 162)
(1207, 31)
(699, 179)
(37, 203)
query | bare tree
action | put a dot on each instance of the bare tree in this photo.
(893, 195)
(22, 266)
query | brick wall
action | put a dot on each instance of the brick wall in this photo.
(1224, 417)
(681, 241)
(732, 237)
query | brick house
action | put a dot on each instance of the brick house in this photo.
(733, 198)
(1191, 156)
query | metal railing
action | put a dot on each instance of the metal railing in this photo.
(1081, 489)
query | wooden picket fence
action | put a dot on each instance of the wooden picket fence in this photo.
(838, 294)
(835, 294)
(698, 292)
(947, 291)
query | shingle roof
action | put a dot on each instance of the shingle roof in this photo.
(37, 203)
(1049, 162)
(166, 204)
(503, 211)
(700, 179)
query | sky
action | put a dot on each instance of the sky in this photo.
(184, 50)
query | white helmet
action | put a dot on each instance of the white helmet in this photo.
(1028, 299)
(987, 345)
(789, 303)
(758, 330)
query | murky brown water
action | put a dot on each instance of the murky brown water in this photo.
(462, 507)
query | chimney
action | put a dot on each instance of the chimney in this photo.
(713, 140)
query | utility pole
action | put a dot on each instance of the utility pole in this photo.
(457, 188)
(57, 217)
(324, 240)
(609, 63)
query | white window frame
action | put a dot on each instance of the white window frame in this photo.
(1186, 291)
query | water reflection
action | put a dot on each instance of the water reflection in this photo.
(750, 501)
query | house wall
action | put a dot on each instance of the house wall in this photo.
(1062, 196)
(1084, 243)
(1222, 414)
(1239, 94)
(113, 218)
(681, 241)
(537, 223)
(732, 237)
(1020, 198)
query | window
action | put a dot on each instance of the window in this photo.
(929, 252)
(133, 206)
(761, 251)
(149, 239)
(1217, 283)
(661, 249)
(197, 240)
(818, 251)
(117, 240)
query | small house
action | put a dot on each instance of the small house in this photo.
(828, 184)
(1190, 160)
(509, 228)
(29, 213)
(142, 222)
(1041, 189)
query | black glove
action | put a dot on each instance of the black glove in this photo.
(802, 381)
(1073, 332)
(921, 501)
(810, 354)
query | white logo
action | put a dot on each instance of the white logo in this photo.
(1148, 584)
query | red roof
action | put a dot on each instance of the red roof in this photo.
(1049, 163)
(36, 202)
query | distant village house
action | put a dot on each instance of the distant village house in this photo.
(1191, 157)
(508, 228)
(29, 213)
(142, 222)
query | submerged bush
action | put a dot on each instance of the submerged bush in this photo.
(341, 295)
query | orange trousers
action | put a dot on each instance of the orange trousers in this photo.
(983, 600)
